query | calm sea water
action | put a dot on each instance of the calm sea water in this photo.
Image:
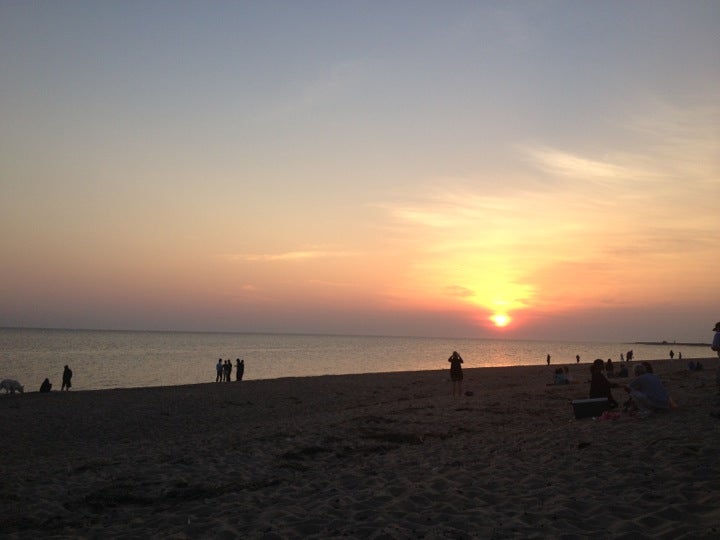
(115, 359)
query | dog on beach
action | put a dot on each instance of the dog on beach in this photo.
(10, 386)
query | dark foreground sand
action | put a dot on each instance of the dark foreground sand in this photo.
(361, 456)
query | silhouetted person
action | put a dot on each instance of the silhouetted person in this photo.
(610, 368)
(67, 379)
(46, 386)
(647, 392)
(548, 359)
(599, 385)
(672, 354)
(577, 358)
(456, 374)
(239, 369)
(219, 370)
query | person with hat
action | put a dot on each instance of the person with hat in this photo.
(716, 347)
(716, 340)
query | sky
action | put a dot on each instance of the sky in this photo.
(516, 170)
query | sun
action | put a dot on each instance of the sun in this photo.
(500, 320)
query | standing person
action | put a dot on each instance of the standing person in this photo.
(239, 369)
(456, 374)
(716, 347)
(672, 354)
(228, 367)
(548, 359)
(219, 370)
(577, 358)
(66, 379)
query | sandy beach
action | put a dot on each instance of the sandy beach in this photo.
(362, 456)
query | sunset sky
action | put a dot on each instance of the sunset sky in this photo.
(523, 170)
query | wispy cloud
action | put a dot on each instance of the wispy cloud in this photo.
(559, 162)
(299, 255)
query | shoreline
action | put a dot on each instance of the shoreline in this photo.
(364, 455)
(583, 366)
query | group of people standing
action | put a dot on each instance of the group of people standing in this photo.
(224, 369)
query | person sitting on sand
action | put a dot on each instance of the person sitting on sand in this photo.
(599, 385)
(560, 376)
(647, 392)
(456, 374)
(46, 386)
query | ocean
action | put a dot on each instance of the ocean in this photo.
(125, 359)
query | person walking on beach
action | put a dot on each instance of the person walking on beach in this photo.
(239, 369)
(456, 374)
(219, 370)
(66, 379)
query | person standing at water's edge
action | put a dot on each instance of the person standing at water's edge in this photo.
(548, 359)
(219, 370)
(239, 369)
(66, 379)
(456, 374)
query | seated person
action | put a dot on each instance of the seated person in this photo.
(559, 377)
(647, 392)
(46, 386)
(599, 385)
(623, 371)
